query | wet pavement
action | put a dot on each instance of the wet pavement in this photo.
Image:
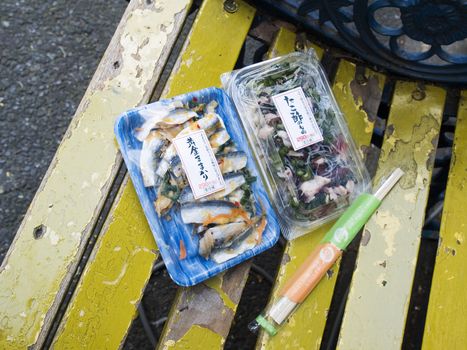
(49, 52)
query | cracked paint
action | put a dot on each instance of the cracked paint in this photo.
(206, 339)
(446, 322)
(389, 225)
(359, 102)
(216, 284)
(297, 333)
(413, 147)
(386, 265)
(367, 97)
(191, 311)
(44, 265)
(108, 279)
(193, 326)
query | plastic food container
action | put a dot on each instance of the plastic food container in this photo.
(198, 184)
(299, 137)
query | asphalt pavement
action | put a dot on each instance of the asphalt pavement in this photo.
(49, 51)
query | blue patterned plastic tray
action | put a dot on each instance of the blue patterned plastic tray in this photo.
(168, 233)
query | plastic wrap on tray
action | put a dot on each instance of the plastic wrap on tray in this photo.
(299, 137)
(197, 182)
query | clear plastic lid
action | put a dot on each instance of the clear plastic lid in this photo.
(307, 157)
(176, 152)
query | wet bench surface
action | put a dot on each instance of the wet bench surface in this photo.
(78, 267)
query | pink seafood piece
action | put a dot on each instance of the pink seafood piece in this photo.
(311, 187)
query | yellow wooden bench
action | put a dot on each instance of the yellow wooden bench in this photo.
(79, 264)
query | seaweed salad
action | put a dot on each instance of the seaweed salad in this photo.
(314, 181)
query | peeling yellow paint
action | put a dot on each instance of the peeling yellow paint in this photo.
(284, 42)
(168, 344)
(197, 337)
(53, 236)
(459, 236)
(381, 279)
(340, 86)
(395, 228)
(360, 123)
(306, 325)
(414, 151)
(411, 197)
(110, 274)
(389, 225)
(216, 284)
(78, 179)
(446, 324)
(208, 57)
(105, 298)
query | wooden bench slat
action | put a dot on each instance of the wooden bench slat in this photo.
(284, 42)
(112, 285)
(305, 327)
(212, 48)
(36, 272)
(318, 50)
(221, 294)
(379, 296)
(104, 303)
(446, 324)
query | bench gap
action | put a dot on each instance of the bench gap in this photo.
(420, 294)
(146, 328)
(349, 257)
(269, 261)
(87, 254)
(265, 266)
(255, 297)
(155, 305)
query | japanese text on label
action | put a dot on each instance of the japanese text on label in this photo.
(297, 117)
(199, 163)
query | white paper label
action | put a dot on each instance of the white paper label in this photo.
(200, 164)
(297, 117)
